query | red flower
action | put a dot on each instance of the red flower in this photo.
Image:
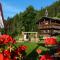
(1, 40)
(50, 41)
(1, 56)
(46, 57)
(38, 51)
(20, 49)
(17, 51)
(6, 39)
(15, 58)
(6, 58)
(14, 41)
(23, 48)
(58, 50)
(6, 53)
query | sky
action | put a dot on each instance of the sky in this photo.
(12, 7)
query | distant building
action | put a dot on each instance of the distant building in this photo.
(48, 26)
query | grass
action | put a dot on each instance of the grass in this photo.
(32, 46)
(31, 49)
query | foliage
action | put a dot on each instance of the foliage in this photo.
(58, 38)
(40, 37)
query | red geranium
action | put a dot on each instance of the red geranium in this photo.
(15, 58)
(17, 51)
(4, 39)
(20, 49)
(58, 50)
(6, 53)
(1, 40)
(23, 48)
(46, 57)
(6, 58)
(39, 51)
(14, 41)
(1, 56)
(50, 41)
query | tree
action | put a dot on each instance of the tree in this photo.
(29, 19)
(58, 15)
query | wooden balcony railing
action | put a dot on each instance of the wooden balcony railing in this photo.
(52, 25)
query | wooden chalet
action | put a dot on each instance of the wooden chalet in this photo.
(48, 26)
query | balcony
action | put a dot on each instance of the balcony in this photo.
(49, 26)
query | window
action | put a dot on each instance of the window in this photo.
(46, 31)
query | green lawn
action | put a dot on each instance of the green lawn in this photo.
(32, 46)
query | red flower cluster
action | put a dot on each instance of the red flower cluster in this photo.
(58, 50)
(39, 51)
(50, 41)
(46, 57)
(19, 52)
(4, 39)
(6, 53)
(1, 56)
(6, 58)
(20, 49)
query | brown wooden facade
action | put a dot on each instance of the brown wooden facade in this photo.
(48, 26)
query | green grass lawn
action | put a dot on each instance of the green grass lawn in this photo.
(32, 46)
(31, 49)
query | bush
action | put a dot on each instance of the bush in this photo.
(40, 37)
(58, 38)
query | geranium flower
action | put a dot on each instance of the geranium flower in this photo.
(39, 51)
(1, 40)
(15, 58)
(14, 41)
(6, 58)
(5, 39)
(1, 56)
(23, 48)
(58, 50)
(46, 57)
(20, 49)
(6, 53)
(50, 41)
(17, 51)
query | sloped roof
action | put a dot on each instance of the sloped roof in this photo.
(48, 18)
